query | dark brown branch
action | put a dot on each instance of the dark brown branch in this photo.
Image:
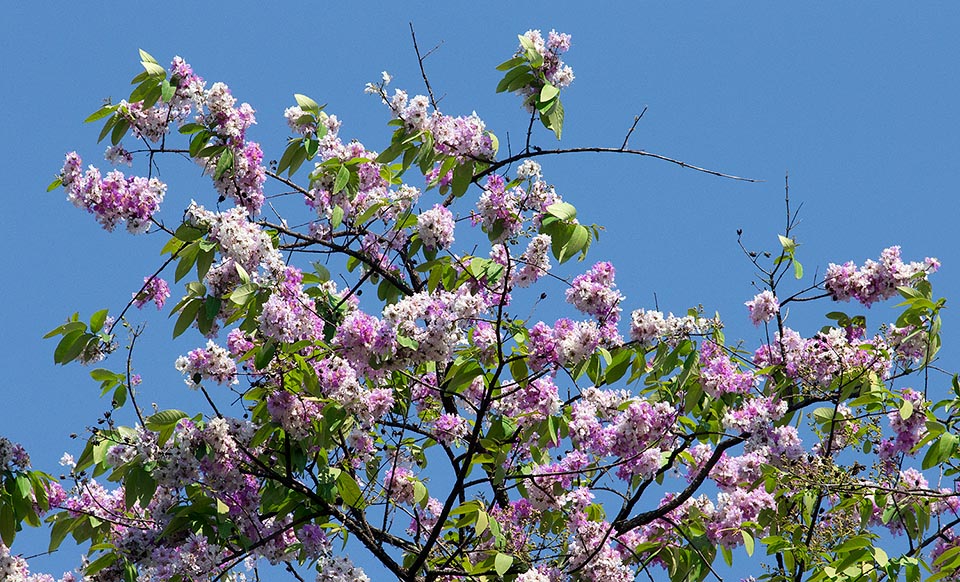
(636, 120)
(420, 60)
(532, 154)
(649, 516)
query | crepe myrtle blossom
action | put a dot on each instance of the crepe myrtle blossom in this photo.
(763, 307)
(13, 455)
(213, 363)
(825, 356)
(595, 293)
(155, 289)
(117, 155)
(535, 261)
(649, 327)
(554, 70)
(435, 227)
(719, 375)
(875, 281)
(450, 428)
(908, 430)
(113, 198)
(463, 137)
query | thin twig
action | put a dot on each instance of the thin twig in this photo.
(537, 152)
(636, 120)
(420, 60)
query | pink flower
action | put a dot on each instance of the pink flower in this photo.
(763, 307)
(155, 289)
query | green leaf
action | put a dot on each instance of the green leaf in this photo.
(747, 542)
(147, 57)
(336, 216)
(483, 521)
(265, 355)
(243, 293)
(548, 92)
(502, 563)
(906, 409)
(188, 257)
(310, 147)
(788, 244)
(164, 419)
(153, 69)
(119, 130)
(579, 239)
(343, 176)
(520, 75)
(306, 103)
(167, 91)
(129, 571)
(941, 450)
(188, 233)
(61, 527)
(554, 120)
(187, 316)
(224, 164)
(97, 320)
(54, 185)
(189, 128)
(462, 175)
(562, 210)
(70, 346)
(420, 496)
(99, 114)
(349, 490)
(8, 524)
(198, 142)
(107, 127)
(100, 563)
(509, 64)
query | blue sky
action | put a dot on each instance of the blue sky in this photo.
(857, 101)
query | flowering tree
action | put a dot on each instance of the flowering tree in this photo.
(429, 424)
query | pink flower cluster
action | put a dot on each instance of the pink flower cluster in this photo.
(567, 343)
(875, 281)
(909, 342)
(241, 241)
(152, 123)
(648, 327)
(595, 293)
(907, 431)
(289, 315)
(501, 212)
(763, 307)
(244, 182)
(592, 554)
(719, 375)
(13, 455)
(634, 431)
(445, 318)
(435, 227)
(14, 568)
(464, 137)
(295, 413)
(531, 402)
(213, 363)
(535, 261)
(826, 356)
(155, 289)
(112, 199)
(554, 69)
(450, 428)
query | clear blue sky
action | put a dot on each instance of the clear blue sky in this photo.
(858, 101)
